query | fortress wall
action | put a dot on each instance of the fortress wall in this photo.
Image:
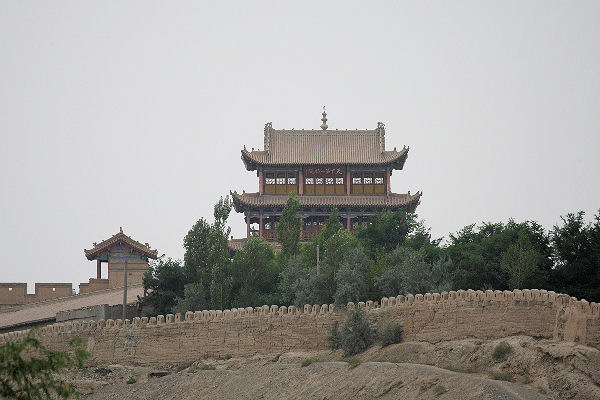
(173, 339)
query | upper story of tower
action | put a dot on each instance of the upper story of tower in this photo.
(324, 162)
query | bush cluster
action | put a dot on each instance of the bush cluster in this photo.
(501, 351)
(391, 334)
(355, 335)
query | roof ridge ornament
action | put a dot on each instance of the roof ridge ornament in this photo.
(324, 119)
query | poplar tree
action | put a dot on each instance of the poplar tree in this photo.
(288, 228)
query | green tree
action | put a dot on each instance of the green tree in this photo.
(164, 281)
(37, 374)
(576, 248)
(206, 254)
(386, 231)
(288, 228)
(338, 246)
(295, 284)
(194, 299)
(377, 267)
(520, 261)
(476, 254)
(351, 284)
(254, 275)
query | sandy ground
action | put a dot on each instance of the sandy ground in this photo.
(538, 369)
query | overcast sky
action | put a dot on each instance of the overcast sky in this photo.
(133, 114)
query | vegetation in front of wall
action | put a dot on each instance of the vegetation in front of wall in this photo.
(36, 375)
(355, 335)
(391, 334)
(334, 337)
(501, 351)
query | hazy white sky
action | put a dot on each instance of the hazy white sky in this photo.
(133, 114)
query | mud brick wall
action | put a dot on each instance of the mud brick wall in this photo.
(432, 317)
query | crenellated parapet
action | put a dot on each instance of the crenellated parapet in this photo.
(430, 317)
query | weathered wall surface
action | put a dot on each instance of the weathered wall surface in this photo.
(270, 330)
(12, 294)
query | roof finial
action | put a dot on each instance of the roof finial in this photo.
(120, 229)
(324, 119)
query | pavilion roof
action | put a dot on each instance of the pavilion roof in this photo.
(115, 240)
(253, 201)
(324, 147)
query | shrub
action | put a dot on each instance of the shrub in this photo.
(38, 374)
(501, 351)
(356, 333)
(334, 337)
(391, 334)
(502, 376)
(306, 362)
(353, 362)
(201, 367)
(131, 380)
(183, 366)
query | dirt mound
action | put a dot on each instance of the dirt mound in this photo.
(537, 369)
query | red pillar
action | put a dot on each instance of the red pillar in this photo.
(347, 181)
(301, 228)
(247, 226)
(261, 181)
(300, 182)
(348, 222)
(260, 226)
(98, 269)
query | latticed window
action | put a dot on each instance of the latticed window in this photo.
(282, 182)
(368, 182)
(325, 180)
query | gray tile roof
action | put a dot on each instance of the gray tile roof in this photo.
(324, 147)
(391, 201)
(117, 238)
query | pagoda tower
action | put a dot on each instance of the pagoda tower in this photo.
(349, 169)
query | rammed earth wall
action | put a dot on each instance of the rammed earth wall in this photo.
(173, 339)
